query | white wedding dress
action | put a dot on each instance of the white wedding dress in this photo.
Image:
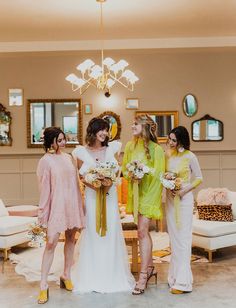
(102, 262)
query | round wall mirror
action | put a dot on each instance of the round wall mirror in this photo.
(190, 105)
(115, 124)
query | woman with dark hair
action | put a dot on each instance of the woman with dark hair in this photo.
(60, 206)
(102, 265)
(181, 162)
(144, 195)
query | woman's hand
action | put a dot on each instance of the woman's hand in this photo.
(135, 180)
(179, 193)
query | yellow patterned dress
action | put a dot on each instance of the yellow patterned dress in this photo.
(150, 187)
(186, 166)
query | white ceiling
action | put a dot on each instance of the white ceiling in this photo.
(31, 21)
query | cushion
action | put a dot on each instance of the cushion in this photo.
(213, 228)
(3, 210)
(232, 198)
(215, 212)
(15, 224)
(23, 210)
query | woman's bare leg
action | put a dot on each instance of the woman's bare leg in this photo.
(47, 259)
(69, 252)
(145, 246)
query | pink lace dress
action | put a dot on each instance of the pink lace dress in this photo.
(60, 205)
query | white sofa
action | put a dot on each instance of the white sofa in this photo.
(212, 235)
(13, 229)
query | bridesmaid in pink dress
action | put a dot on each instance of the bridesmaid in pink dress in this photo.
(60, 206)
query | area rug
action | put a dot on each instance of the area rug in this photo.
(28, 260)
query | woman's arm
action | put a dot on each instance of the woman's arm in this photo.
(125, 161)
(79, 164)
(197, 176)
(44, 181)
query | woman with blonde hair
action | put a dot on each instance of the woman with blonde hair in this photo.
(144, 195)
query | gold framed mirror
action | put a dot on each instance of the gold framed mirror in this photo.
(115, 124)
(64, 113)
(5, 126)
(207, 128)
(190, 105)
(166, 121)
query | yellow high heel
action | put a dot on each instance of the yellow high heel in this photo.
(66, 284)
(43, 296)
(175, 291)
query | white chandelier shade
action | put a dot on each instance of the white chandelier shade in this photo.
(104, 76)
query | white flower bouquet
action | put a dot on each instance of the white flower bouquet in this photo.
(103, 174)
(37, 235)
(170, 181)
(137, 170)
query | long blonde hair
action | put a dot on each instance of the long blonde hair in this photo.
(149, 131)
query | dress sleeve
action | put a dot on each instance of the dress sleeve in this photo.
(44, 180)
(153, 195)
(196, 171)
(116, 146)
(126, 160)
(78, 153)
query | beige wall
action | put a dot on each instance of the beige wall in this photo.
(18, 182)
(165, 77)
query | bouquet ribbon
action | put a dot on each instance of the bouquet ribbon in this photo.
(101, 215)
(135, 201)
(177, 210)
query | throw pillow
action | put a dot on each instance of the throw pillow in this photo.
(3, 210)
(232, 198)
(215, 212)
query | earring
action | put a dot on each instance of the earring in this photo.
(51, 150)
(180, 149)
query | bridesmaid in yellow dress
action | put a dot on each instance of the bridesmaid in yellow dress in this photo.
(144, 147)
(179, 209)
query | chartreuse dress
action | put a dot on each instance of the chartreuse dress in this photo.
(150, 187)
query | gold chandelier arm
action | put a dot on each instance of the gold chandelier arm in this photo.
(129, 86)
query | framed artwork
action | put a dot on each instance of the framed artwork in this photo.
(70, 125)
(15, 97)
(88, 109)
(132, 103)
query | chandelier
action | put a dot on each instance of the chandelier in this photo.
(104, 76)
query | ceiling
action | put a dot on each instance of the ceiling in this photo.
(31, 21)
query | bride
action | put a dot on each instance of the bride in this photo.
(102, 265)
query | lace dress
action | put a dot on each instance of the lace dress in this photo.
(186, 166)
(102, 264)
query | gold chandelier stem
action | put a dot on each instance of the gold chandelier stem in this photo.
(102, 38)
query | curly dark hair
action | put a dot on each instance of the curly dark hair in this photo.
(182, 136)
(94, 126)
(50, 134)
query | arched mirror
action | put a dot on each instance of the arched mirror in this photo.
(190, 105)
(5, 126)
(115, 124)
(166, 121)
(207, 129)
(64, 113)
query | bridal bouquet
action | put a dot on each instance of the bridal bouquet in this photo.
(103, 174)
(137, 170)
(170, 181)
(37, 235)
